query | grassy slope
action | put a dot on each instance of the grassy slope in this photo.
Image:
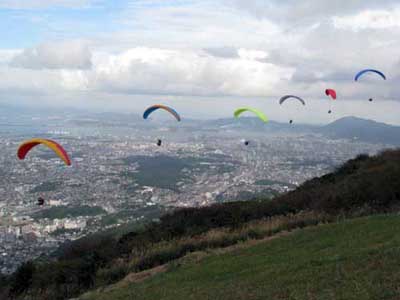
(356, 259)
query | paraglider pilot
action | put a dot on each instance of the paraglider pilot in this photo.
(40, 201)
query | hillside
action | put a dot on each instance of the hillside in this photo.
(355, 259)
(363, 186)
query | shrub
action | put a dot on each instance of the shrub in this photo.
(22, 279)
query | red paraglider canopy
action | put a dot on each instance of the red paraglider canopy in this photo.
(331, 92)
(57, 148)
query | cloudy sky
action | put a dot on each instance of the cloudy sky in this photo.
(203, 57)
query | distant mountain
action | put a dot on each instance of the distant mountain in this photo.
(362, 130)
(344, 128)
(251, 123)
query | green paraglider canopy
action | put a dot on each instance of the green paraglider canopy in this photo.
(257, 112)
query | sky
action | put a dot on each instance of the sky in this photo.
(205, 58)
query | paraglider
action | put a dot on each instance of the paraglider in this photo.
(257, 112)
(286, 97)
(27, 146)
(40, 201)
(332, 94)
(153, 108)
(361, 73)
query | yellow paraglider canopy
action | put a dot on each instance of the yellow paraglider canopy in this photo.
(257, 112)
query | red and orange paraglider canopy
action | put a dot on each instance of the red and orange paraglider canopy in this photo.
(331, 92)
(26, 146)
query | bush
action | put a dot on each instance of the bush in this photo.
(106, 276)
(22, 279)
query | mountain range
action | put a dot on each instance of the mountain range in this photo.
(345, 128)
(351, 127)
(362, 130)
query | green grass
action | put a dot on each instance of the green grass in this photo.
(356, 259)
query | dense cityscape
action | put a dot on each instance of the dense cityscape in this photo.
(119, 178)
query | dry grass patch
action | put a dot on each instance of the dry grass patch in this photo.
(166, 251)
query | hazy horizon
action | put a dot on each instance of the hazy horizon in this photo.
(226, 113)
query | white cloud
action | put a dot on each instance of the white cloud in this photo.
(17, 81)
(202, 50)
(144, 70)
(301, 12)
(191, 24)
(55, 55)
(6, 55)
(225, 52)
(39, 4)
(252, 54)
(369, 19)
(178, 72)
